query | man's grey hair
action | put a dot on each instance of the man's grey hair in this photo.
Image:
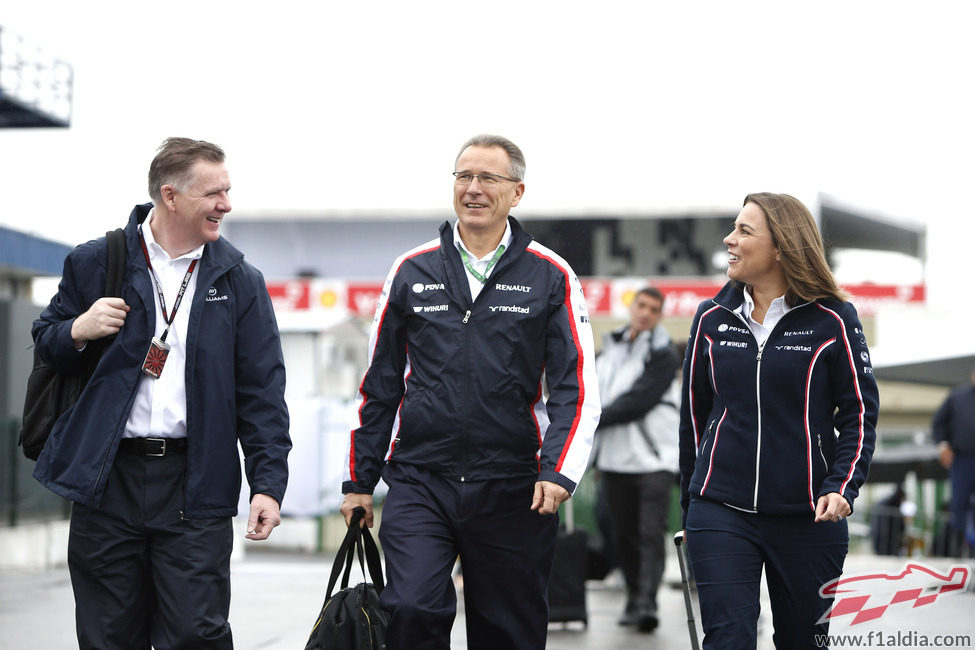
(173, 164)
(516, 166)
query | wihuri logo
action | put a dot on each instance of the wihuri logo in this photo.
(868, 596)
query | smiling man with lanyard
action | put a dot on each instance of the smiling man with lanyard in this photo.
(470, 330)
(149, 455)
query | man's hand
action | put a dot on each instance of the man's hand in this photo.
(265, 516)
(832, 507)
(548, 496)
(946, 454)
(102, 319)
(351, 501)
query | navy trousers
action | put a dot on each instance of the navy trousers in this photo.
(962, 492)
(505, 549)
(728, 549)
(141, 575)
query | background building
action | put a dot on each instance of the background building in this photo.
(663, 102)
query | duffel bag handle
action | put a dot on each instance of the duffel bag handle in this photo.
(358, 540)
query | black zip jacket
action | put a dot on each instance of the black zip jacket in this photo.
(497, 387)
(772, 428)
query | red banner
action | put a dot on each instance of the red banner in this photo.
(606, 297)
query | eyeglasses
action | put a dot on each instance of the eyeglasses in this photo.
(485, 178)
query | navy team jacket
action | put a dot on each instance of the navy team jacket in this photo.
(235, 378)
(772, 428)
(492, 388)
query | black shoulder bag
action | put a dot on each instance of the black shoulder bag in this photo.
(50, 393)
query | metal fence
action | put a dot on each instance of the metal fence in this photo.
(22, 499)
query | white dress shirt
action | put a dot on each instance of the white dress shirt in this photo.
(775, 312)
(159, 409)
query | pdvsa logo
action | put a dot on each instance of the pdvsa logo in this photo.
(724, 327)
(419, 287)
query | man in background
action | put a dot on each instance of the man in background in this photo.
(636, 449)
(953, 428)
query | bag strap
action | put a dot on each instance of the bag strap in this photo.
(373, 560)
(116, 262)
(358, 541)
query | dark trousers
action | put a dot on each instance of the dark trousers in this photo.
(506, 552)
(142, 575)
(962, 492)
(638, 506)
(728, 549)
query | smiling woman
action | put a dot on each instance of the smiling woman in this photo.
(753, 257)
(776, 362)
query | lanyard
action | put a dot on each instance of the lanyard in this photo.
(474, 272)
(168, 318)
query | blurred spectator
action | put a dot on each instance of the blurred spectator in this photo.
(953, 429)
(636, 449)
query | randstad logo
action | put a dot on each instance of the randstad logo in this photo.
(213, 297)
(419, 287)
(515, 309)
(869, 596)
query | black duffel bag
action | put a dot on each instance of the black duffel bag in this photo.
(352, 618)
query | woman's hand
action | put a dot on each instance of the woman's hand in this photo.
(832, 507)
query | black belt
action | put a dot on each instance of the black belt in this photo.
(153, 446)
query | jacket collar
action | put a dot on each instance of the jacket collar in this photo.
(519, 237)
(731, 296)
(454, 267)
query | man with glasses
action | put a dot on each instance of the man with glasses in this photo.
(478, 410)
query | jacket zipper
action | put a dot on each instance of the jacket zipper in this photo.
(758, 402)
(758, 391)
(467, 392)
(118, 433)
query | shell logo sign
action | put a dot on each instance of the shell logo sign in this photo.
(328, 298)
